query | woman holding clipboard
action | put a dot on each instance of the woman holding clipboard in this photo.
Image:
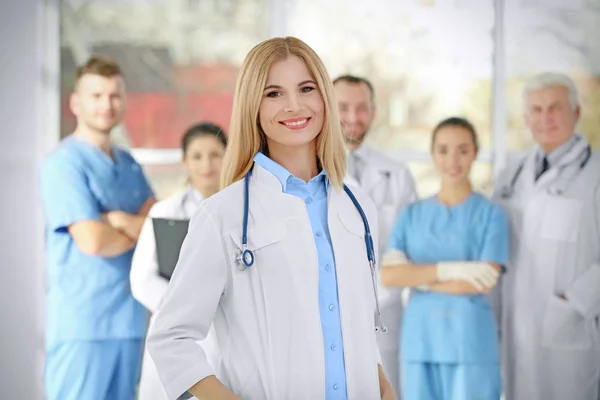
(203, 148)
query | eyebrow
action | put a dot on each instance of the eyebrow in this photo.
(300, 84)
(458, 145)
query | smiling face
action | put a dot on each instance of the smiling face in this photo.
(202, 161)
(292, 109)
(454, 151)
(99, 102)
(550, 116)
(356, 109)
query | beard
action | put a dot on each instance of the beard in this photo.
(356, 140)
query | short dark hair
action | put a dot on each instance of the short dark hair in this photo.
(356, 80)
(202, 129)
(98, 65)
(456, 122)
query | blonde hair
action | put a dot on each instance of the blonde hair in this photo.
(245, 135)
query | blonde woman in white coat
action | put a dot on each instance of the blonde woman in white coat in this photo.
(203, 147)
(291, 297)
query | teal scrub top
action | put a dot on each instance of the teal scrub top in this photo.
(89, 297)
(449, 328)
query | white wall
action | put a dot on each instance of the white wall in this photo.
(28, 82)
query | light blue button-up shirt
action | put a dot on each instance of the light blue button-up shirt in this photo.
(314, 194)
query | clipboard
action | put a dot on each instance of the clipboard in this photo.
(168, 234)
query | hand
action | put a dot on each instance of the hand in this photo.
(394, 257)
(480, 275)
(386, 390)
(388, 395)
(117, 219)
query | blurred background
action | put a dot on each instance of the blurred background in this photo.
(428, 59)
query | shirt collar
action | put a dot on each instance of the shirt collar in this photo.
(282, 174)
(194, 194)
(361, 152)
(555, 155)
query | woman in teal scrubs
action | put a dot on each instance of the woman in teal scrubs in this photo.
(449, 249)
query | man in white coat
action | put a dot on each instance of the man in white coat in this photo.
(391, 187)
(551, 293)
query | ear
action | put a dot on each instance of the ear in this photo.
(74, 103)
(577, 113)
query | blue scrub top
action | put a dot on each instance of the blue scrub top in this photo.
(448, 328)
(89, 297)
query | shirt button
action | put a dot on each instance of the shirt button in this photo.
(135, 167)
(336, 386)
(331, 307)
(308, 200)
(333, 347)
(136, 194)
(328, 267)
(319, 233)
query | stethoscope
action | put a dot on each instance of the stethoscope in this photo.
(508, 190)
(245, 256)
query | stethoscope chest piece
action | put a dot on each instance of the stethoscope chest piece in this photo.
(244, 258)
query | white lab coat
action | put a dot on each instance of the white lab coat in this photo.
(551, 346)
(149, 288)
(267, 318)
(390, 185)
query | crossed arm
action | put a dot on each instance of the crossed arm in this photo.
(409, 275)
(116, 234)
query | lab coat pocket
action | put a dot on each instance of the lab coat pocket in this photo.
(565, 328)
(267, 245)
(261, 236)
(561, 219)
(353, 225)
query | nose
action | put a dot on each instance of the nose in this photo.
(205, 163)
(106, 103)
(293, 103)
(548, 116)
(452, 159)
(350, 117)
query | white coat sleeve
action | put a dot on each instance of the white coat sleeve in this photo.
(409, 189)
(584, 292)
(189, 307)
(147, 286)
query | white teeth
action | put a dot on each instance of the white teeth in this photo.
(296, 123)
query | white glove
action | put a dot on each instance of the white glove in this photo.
(394, 257)
(479, 274)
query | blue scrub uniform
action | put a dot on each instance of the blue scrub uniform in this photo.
(94, 326)
(449, 343)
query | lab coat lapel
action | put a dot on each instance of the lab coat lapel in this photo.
(558, 176)
(373, 171)
(357, 305)
(191, 199)
(291, 274)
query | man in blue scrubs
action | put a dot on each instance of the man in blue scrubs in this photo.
(95, 199)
